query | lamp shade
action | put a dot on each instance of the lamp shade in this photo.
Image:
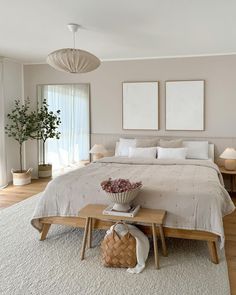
(73, 60)
(98, 149)
(229, 154)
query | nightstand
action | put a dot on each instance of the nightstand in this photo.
(232, 174)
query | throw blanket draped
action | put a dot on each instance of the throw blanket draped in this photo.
(142, 245)
(191, 191)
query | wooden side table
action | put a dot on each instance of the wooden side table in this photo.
(147, 216)
(232, 174)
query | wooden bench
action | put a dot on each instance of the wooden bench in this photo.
(152, 217)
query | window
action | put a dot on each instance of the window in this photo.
(74, 143)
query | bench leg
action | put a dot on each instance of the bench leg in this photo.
(213, 251)
(85, 237)
(154, 236)
(90, 232)
(46, 227)
(163, 241)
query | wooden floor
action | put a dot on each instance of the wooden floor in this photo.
(13, 194)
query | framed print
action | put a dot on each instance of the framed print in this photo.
(185, 105)
(140, 105)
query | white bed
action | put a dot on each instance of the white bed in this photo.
(191, 191)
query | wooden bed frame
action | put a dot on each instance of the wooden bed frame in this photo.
(210, 238)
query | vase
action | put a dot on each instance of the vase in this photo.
(122, 200)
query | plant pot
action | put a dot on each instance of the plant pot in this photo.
(21, 178)
(45, 170)
(122, 200)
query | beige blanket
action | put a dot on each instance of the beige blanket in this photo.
(191, 191)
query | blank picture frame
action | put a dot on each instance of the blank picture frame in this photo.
(140, 106)
(185, 105)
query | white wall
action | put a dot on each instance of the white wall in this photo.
(106, 93)
(13, 89)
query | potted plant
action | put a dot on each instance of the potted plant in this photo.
(47, 123)
(20, 127)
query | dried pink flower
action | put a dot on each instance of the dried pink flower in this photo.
(119, 185)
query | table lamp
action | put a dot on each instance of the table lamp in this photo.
(98, 151)
(229, 155)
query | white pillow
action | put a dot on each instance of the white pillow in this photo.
(117, 149)
(148, 153)
(196, 149)
(172, 153)
(123, 147)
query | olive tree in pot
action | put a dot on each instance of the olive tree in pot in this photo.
(47, 127)
(20, 128)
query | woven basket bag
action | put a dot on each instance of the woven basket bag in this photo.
(119, 251)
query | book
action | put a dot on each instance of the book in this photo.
(131, 213)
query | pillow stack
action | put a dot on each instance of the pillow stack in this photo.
(162, 149)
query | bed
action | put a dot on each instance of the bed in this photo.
(191, 191)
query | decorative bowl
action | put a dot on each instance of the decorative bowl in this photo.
(122, 200)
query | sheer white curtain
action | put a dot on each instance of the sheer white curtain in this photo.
(3, 168)
(74, 143)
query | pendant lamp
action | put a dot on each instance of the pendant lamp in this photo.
(73, 60)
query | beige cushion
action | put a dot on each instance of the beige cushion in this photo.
(142, 143)
(176, 143)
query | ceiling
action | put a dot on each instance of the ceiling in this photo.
(118, 29)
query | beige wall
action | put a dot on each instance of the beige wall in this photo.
(13, 89)
(106, 93)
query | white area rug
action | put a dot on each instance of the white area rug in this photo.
(28, 266)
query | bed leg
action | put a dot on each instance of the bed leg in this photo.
(213, 251)
(46, 227)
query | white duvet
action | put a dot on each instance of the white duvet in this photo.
(191, 191)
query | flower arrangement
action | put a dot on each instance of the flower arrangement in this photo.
(119, 185)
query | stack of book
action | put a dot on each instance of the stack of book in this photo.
(131, 213)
